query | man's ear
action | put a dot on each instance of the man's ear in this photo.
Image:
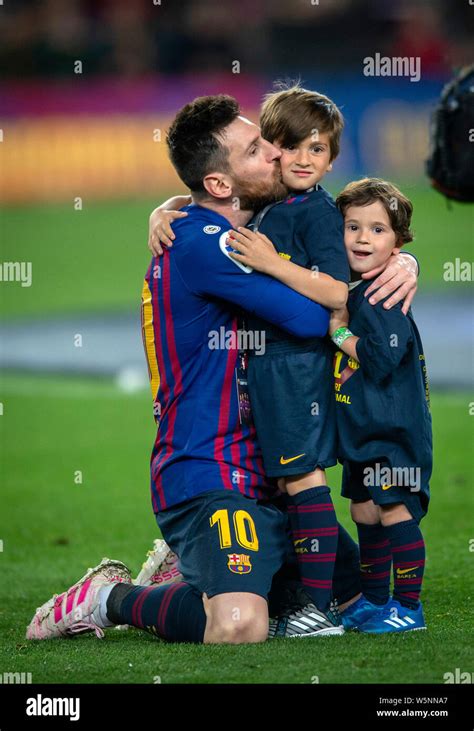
(218, 185)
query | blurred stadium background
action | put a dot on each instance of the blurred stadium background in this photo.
(89, 89)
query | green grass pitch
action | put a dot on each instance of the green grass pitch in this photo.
(54, 529)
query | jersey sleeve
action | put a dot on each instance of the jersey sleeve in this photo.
(387, 341)
(208, 270)
(324, 242)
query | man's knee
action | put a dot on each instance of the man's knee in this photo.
(249, 628)
(243, 622)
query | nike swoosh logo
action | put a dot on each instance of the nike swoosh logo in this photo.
(300, 540)
(366, 565)
(405, 571)
(386, 487)
(291, 459)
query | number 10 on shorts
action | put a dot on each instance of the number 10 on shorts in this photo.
(244, 528)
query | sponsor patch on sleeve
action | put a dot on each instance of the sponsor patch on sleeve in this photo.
(226, 249)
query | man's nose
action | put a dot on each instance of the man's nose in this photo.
(273, 153)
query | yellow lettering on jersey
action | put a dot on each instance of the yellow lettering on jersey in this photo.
(337, 363)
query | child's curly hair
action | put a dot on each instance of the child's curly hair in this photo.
(368, 190)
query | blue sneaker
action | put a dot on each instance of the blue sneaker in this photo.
(359, 612)
(394, 618)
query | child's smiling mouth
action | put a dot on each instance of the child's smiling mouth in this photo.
(361, 254)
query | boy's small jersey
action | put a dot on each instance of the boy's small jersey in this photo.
(383, 412)
(308, 230)
(191, 307)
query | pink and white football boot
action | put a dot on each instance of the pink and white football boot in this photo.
(76, 610)
(161, 567)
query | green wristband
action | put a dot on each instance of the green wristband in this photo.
(341, 334)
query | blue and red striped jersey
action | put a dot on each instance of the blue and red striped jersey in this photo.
(193, 297)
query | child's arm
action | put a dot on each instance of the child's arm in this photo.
(338, 322)
(257, 251)
(389, 337)
(159, 229)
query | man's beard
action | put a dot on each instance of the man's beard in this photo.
(253, 195)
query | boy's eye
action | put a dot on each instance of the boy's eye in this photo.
(378, 229)
(318, 149)
(290, 148)
(351, 227)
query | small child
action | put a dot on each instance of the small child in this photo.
(383, 417)
(290, 384)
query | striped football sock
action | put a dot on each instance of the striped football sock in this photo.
(375, 562)
(174, 613)
(408, 551)
(314, 531)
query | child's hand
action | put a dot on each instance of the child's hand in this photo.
(339, 318)
(160, 231)
(255, 249)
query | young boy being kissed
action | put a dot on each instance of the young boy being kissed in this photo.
(383, 417)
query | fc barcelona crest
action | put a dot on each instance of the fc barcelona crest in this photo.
(239, 563)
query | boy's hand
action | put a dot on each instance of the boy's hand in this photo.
(400, 276)
(255, 250)
(339, 318)
(160, 231)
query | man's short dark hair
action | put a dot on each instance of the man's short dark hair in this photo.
(194, 145)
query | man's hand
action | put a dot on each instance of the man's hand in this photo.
(160, 231)
(400, 276)
(255, 250)
(339, 318)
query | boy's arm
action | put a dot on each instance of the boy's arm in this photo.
(257, 251)
(383, 348)
(159, 227)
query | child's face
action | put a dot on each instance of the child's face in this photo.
(305, 164)
(369, 237)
